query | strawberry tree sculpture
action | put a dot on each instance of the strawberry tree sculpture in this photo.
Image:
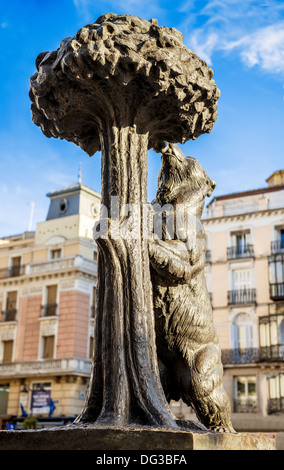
(123, 85)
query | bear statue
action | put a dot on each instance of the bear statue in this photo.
(188, 348)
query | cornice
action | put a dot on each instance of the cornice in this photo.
(248, 215)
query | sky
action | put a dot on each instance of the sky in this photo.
(243, 42)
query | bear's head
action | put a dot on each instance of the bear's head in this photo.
(182, 180)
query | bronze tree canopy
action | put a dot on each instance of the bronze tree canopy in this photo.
(125, 71)
(123, 85)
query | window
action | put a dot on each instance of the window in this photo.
(240, 246)
(241, 292)
(48, 347)
(15, 268)
(276, 276)
(242, 333)
(8, 347)
(277, 245)
(93, 306)
(55, 254)
(91, 348)
(276, 393)
(245, 398)
(241, 243)
(63, 205)
(11, 306)
(282, 238)
(50, 308)
(271, 333)
(241, 279)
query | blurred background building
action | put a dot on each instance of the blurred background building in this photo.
(245, 278)
(47, 294)
(48, 290)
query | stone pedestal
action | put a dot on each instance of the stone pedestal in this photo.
(107, 439)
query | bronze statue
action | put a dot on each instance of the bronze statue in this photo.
(121, 85)
(187, 342)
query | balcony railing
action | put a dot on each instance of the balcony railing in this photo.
(274, 352)
(240, 356)
(253, 355)
(242, 296)
(239, 252)
(275, 405)
(9, 315)
(13, 271)
(60, 264)
(49, 310)
(277, 247)
(245, 405)
(66, 366)
(277, 291)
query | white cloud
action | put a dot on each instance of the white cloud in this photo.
(265, 47)
(253, 29)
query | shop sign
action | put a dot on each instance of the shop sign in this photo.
(40, 403)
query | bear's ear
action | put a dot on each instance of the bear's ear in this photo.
(212, 187)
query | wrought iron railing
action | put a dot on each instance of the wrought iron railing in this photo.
(277, 291)
(242, 296)
(253, 355)
(273, 352)
(12, 271)
(240, 356)
(277, 247)
(9, 315)
(49, 310)
(275, 405)
(245, 405)
(239, 252)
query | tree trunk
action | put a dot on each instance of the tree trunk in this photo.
(125, 384)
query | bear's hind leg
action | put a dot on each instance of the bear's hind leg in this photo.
(206, 393)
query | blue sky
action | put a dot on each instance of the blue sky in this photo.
(243, 42)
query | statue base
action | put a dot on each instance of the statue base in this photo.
(94, 437)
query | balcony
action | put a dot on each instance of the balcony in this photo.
(63, 264)
(277, 247)
(49, 310)
(275, 405)
(240, 252)
(9, 315)
(274, 352)
(240, 356)
(65, 366)
(13, 271)
(242, 296)
(245, 405)
(271, 334)
(253, 355)
(277, 291)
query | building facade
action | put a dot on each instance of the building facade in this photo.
(47, 294)
(48, 290)
(245, 277)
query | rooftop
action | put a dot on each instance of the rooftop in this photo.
(275, 183)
